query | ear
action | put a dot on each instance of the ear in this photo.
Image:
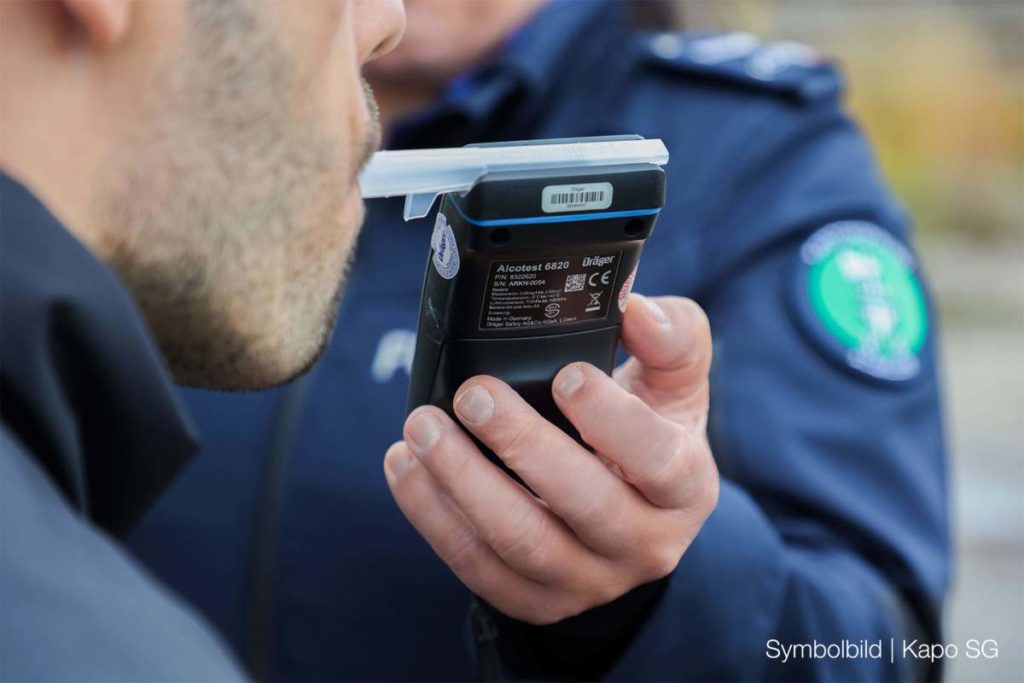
(105, 21)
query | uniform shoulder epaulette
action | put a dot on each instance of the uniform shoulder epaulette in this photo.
(783, 67)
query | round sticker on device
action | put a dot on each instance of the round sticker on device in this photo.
(446, 251)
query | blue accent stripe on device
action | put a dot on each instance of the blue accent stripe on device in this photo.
(560, 218)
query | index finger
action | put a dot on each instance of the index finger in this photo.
(577, 486)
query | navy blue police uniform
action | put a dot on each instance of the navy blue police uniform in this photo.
(825, 418)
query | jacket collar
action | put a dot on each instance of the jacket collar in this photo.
(82, 385)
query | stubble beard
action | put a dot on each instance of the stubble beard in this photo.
(228, 215)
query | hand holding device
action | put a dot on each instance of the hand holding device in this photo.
(527, 290)
(598, 526)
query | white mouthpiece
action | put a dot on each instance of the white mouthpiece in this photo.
(423, 174)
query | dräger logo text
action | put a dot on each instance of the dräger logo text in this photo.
(597, 260)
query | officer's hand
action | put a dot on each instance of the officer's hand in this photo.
(603, 524)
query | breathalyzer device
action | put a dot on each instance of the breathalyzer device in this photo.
(534, 250)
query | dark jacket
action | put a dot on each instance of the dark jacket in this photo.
(91, 432)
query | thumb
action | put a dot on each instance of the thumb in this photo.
(670, 340)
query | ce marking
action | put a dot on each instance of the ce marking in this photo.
(604, 278)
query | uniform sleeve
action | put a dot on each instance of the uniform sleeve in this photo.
(831, 524)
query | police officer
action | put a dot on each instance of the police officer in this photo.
(824, 418)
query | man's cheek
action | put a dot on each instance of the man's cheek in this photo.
(353, 214)
(330, 86)
(358, 209)
(310, 30)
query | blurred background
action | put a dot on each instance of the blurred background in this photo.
(939, 86)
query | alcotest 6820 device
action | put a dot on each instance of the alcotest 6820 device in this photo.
(533, 254)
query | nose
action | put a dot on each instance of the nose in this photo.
(379, 26)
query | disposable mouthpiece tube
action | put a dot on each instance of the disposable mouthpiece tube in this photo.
(420, 175)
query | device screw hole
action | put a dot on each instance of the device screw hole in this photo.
(634, 227)
(500, 236)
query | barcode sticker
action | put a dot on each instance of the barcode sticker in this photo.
(561, 198)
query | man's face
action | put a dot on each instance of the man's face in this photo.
(233, 196)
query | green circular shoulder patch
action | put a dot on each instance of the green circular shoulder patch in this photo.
(859, 292)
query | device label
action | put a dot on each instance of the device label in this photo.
(445, 251)
(549, 291)
(585, 197)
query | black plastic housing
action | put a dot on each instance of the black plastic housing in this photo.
(467, 323)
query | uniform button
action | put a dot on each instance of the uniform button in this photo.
(667, 46)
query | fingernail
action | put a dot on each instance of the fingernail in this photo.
(422, 433)
(475, 406)
(657, 312)
(568, 381)
(399, 462)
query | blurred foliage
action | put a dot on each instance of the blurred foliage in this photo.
(939, 87)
